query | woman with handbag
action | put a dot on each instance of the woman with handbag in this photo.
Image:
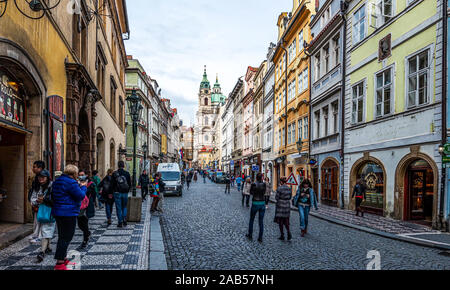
(304, 200)
(283, 208)
(41, 199)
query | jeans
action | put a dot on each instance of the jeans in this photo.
(227, 188)
(66, 231)
(255, 209)
(108, 209)
(121, 200)
(247, 200)
(144, 190)
(239, 187)
(304, 215)
(83, 224)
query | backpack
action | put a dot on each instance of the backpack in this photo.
(106, 186)
(122, 184)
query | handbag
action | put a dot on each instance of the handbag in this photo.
(44, 214)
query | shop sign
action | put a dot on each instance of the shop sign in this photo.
(447, 149)
(446, 159)
(12, 106)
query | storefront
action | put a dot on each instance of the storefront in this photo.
(373, 175)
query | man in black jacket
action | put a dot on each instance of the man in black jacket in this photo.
(144, 181)
(258, 191)
(122, 185)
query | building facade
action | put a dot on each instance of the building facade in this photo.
(394, 86)
(326, 50)
(247, 107)
(227, 136)
(292, 97)
(258, 115)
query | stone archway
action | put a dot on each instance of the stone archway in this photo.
(353, 178)
(400, 184)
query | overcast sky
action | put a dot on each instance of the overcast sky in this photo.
(174, 39)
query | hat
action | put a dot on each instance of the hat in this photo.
(44, 173)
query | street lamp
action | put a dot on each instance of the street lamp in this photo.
(145, 150)
(135, 108)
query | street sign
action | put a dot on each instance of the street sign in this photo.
(292, 180)
(232, 163)
(255, 168)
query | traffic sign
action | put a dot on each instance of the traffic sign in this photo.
(255, 168)
(292, 180)
(232, 163)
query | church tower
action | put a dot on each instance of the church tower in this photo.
(205, 91)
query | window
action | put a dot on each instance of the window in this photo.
(384, 93)
(317, 116)
(326, 58)
(382, 12)
(305, 79)
(300, 40)
(358, 103)
(336, 49)
(291, 90)
(325, 117)
(305, 128)
(112, 104)
(317, 67)
(300, 129)
(418, 79)
(206, 121)
(289, 133)
(335, 107)
(121, 115)
(292, 50)
(206, 101)
(293, 129)
(359, 24)
(283, 139)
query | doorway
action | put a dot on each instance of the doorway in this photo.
(420, 192)
(315, 179)
(329, 184)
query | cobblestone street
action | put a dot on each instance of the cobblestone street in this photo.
(205, 230)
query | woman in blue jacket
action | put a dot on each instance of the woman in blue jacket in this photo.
(304, 200)
(67, 196)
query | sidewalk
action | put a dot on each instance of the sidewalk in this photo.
(110, 248)
(385, 227)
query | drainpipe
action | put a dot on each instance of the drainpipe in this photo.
(344, 6)
(285, 95)
(442, 222)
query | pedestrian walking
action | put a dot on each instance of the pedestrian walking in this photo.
(268, 192)
(257, 190)
(38, 167)
(227, 184)
(239, 182)
(67, 195)
(144, 182)
(359, 194)
(189, 179)
(162, 190)
(233, 179)
(283, 208)
(39, 199)
(195, 177)
(246, 192)
(159, 186)
(107, 194)
(87, 209)
(122, 185)
(304, 200)
(204, 178)
(96, 180)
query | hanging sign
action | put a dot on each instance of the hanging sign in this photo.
(12, 106)
(292, 180)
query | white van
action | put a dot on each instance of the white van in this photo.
(171, 175)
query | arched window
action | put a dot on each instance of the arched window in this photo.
(206, 101)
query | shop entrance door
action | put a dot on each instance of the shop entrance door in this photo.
(315, 177)
(420, 192)
(330, 183)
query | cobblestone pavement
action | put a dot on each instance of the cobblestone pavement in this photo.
(205, 230)
(110, 248)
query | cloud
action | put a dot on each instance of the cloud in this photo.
(173, 40)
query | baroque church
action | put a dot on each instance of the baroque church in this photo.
(209, 103)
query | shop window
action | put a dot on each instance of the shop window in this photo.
(12, 105)
(373, 176)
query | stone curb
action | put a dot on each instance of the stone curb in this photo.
(429, 244)
(9, 241)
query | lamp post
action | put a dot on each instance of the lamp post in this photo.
(135, 108)
(145, 151)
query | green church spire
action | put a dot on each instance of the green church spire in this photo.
(205, 83)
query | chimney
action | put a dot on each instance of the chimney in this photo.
(129, 57)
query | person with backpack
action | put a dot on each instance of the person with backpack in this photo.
(87, 208)
(304, 200)
(67, 195)
(359, 194)
(144, 182)
(258, 191)
(283, 208)
(122, 185)
(107, 194)
(38, 167)
(227, 184)
(39, 198)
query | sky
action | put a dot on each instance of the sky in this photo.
(175, 39)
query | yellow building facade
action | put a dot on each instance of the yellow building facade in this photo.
(291, 100)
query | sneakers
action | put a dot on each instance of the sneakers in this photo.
(125, 224)
(303, 233)
(60, 267)
(35, 241)
(40, 257)
(289, 236)
(260, 240)
(281, 238)
(109, 222)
